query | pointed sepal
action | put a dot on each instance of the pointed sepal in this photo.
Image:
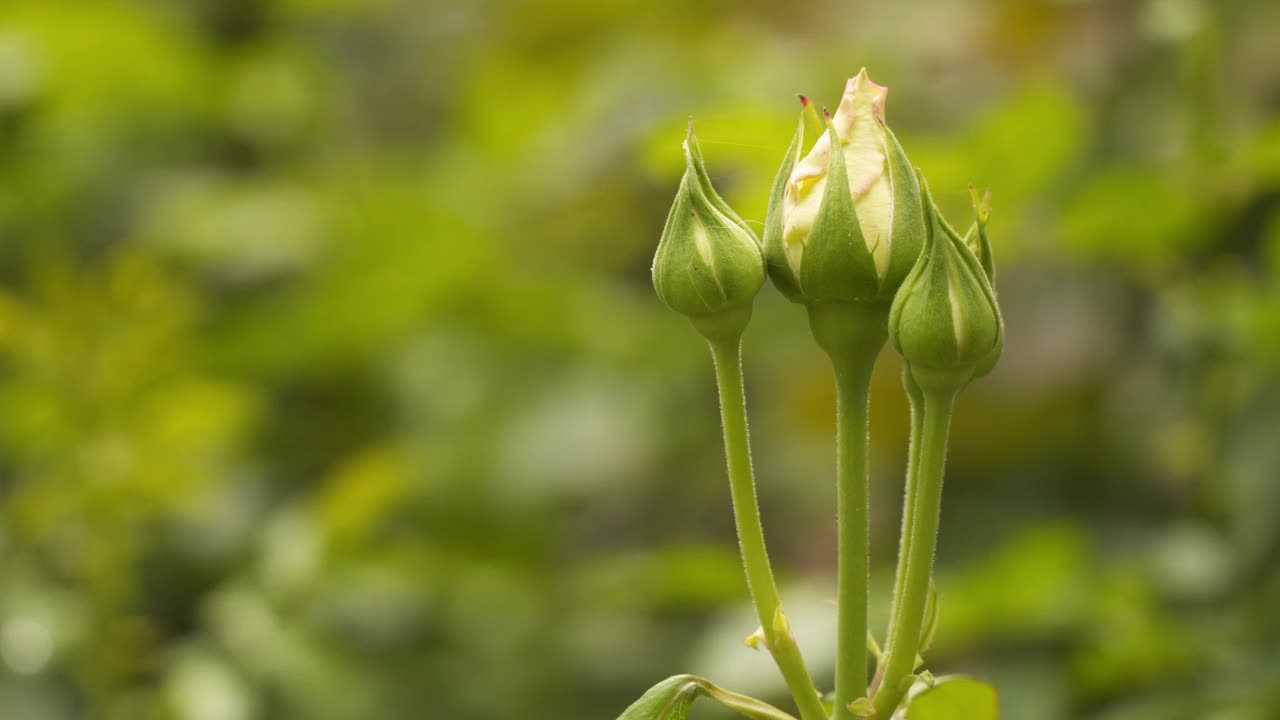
(977, 239)
(780, 268)
(908, 230)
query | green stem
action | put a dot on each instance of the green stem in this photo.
(904, 641)
(852, 336)
(746, 511)
(915, 398)
(852, 385)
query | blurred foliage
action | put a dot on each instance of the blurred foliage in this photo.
(332, 385)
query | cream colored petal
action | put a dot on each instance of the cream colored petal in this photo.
(801, 211)
(858, 121)
(858, 124)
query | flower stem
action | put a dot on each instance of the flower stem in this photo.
(852, 383)
(915, 398)
(746, 511)
(904, 640)
(852, 335)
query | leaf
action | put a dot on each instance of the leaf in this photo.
(862, 707)
(668, 700)
(672, 698)
(953, 698)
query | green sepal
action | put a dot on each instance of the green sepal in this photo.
(672, 698)
(935, 324)
(862, 707)
(908, 230)
(739, 266)
(837, 265)
(979, 243)
(683, 281)
(775, 246)
(698, 166)
(975, 294)
(976, 252)
(981, 246)
(970, 238)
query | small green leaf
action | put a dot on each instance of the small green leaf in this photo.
(954, 698)
(862, 707)
(781, 626)
(672, 698)
(668, 700)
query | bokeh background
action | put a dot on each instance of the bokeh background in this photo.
(332, 385)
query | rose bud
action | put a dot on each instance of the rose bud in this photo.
(845, 226)
(945, 321)
(709, 265)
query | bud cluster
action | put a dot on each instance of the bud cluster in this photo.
(850, 225)
(853, 235)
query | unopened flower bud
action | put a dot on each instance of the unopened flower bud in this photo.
(845, 226)
(709, 265)
(945, 321)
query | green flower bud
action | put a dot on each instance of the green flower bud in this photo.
(709, 265)
(845, 226)
(945, 321)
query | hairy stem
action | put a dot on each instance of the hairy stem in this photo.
(746, 511)
(852, 335)
(904, 640)
(915, 398)
(852, 381)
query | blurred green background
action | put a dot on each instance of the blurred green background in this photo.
(332, 385)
